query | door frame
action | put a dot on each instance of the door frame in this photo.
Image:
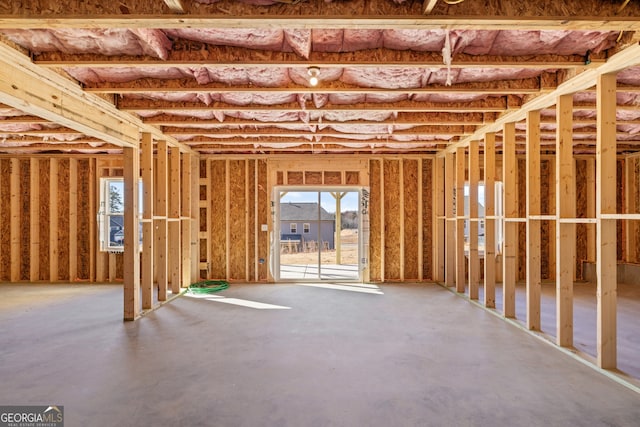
(363, 228)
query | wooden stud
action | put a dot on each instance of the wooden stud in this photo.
(489, 221)
(606, 192)
(440, 221)
(161, 224)
(14, 233)
(565, 193)
(227, 207)
(450, 221)
(195, 218)
(382, 235)
(131, 234)
(53, 219)
(631, 186)
(510, 249)
(73, 219)
(174, 220)
(93, 211)
(474, 259)
(533, 225)
(247, 258)
(146, 164)
(185, 220)
(420, 223)
(591, 209)
(101, 257)
(256, 246)
(460, 218)
(34, 220)
(209, 216)
(552, 211)
(401, 211)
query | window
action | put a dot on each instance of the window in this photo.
(306, 228)
(293, 228)
(111, 214)
(498, 207)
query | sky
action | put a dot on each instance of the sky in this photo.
(349, 202)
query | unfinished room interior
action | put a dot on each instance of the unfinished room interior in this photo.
(321, 212)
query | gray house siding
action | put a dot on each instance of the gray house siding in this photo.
(307, 213)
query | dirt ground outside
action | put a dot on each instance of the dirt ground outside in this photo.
(349, 252)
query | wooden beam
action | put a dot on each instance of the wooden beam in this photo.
(34, 219)
(510, 249)
(450, 220)
(606, 192)
(131, 259)
(591, 209)
(489, 220)
(175, 5)
(565, 193)
(429, 5)
(585, 80)
(227, 213)
(195, 218)
(174, 221)
(474, 258)
(631, 187)
(146, 164)
(421, 220)
(143, 85)
(45, 93)
(401, 214)
(190, 54)
(161, 224)
(460, 219)
(382, 220)
(14, 231)
(533, 225)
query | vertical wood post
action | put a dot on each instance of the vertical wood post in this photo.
(565, 232)
(421, 220)
(631, 185)
(146, 284)
(450, 220)
(131, 234)
(606, 190)
(185, 220)
(591, 209)
(533, 225)
(161, 223)
(460, 218)
(14, 231)
(174, 220)
(195, 218)
(402, 214)
(489, 220)
(73, 219)
(440, 220)
(53, 219)
(474, 259)
(509, 252)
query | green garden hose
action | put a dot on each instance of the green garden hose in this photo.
(208, 286)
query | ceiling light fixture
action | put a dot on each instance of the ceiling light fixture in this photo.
(313, 72)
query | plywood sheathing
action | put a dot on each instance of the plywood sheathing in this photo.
(391, 220)
(237, 222)
(410, 188)
(375, 252)
(427, 223)
(636, 238)
(217, 232)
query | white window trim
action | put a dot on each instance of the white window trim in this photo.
(306, 228)
(293, 228)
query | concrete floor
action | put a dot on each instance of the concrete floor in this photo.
(417, 355)
(327, 272)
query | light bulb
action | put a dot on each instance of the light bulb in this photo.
(313, 81)
(313, 75)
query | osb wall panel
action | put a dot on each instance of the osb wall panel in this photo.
(581, 212)
(522, 213)
(25, 215)
(332, 178)
(352, 178)
(251, 232)
(411, 223)
(620, 201)
(44, 218)
(295, 178)
(5, 219)
(427, 215)
(85, 189)
(636, 204)
(237, 220)
(218, 233)
(263, 218)
(63, 219)
(392, 214)
(375, 254)
(313, 178)
(545, 209)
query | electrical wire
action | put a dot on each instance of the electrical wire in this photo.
(452, 2)
(208, 286)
